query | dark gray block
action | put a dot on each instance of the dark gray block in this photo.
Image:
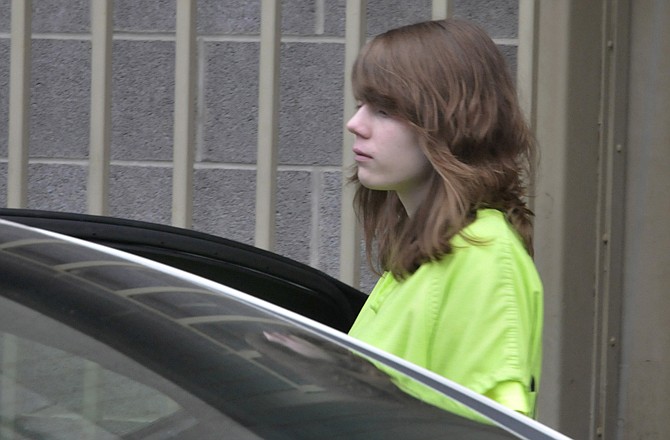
(499, 18)
(61, 16)
(231, 103)
(298, 17)
(294, 215)
(142, 100)
(61, 82)
(224, 203)
(229, 17)
(144, 16)
(312, 77)
(335, 20)
(5, 15)
(383, 15)
(510, 53)
(368, 277)
(330, 201)
(141, 193)
(56, 187)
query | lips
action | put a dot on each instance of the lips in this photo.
(360, 155)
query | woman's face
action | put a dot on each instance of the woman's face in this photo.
(388, 155)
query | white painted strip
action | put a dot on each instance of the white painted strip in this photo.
(268, 115)
(101, 106)
(19, 102)
(350, 247)
(526, 69)
(506, 41)
(442, 9)
(527, 57)
(184, 114)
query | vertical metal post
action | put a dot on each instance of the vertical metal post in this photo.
(611, 219)
(526, 70)
(644, 407)
(568, 130)
(101, 106)
(268, 114)
(442, 9)
(184, 114)
(19, 103)
(350, 246)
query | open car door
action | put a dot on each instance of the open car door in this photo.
(279, 280)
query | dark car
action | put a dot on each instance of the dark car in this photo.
(96, 343)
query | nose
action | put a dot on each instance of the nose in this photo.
(356, 124)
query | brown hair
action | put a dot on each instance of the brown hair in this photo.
(449, 81)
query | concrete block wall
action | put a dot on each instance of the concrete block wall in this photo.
(311, 121)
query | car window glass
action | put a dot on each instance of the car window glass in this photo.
(48, 392)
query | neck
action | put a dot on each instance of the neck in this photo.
(413, 198)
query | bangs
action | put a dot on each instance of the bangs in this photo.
(374, 80)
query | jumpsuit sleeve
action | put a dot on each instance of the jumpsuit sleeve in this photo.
(483, 329)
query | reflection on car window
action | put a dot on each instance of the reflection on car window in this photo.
(48, 392)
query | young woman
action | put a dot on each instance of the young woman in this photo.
(442, 157)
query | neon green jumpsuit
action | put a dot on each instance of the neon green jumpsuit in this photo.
(474, 316)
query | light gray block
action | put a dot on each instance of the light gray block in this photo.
(141, 193)
(294, 214)
(4, 95)
(229, 17)
(142, 100)
(311, 107)
(61, 16)
(55, 187)
(59, 123)
(231, 102)
(144, 16)
(224, 203)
